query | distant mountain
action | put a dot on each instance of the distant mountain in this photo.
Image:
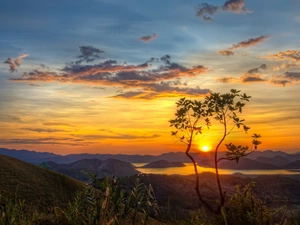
(163, 164)
(27, 156)
(271, 154)
(39, 187)
(246, 164)
(80, 169)
(293, 165)
(276, 160)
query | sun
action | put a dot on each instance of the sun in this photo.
(205, 148)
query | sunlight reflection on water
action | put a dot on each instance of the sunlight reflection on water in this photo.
(189, 169)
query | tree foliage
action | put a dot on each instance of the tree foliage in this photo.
(193, 116)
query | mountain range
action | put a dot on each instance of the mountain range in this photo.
(257, 160)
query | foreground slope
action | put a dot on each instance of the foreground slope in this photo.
(37, 186)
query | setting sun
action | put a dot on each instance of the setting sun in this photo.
(205, 148)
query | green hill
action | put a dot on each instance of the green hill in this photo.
(38, 186)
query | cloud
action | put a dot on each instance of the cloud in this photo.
(248, 78)
(252, 75)
(148, 76)
(88, 54)
(289, 54)
(257, 70)
(286, 78)
(57, 124)
(148, 38)
(47, 141)
(280, 82)
(163, 89)
(226, 52)
(206, 10)
(42, 130)
(227, 80)
(295, 76)
(15, 63)
(119, 136)
(235, 6)
(249, 42)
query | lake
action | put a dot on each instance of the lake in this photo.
(189, 169)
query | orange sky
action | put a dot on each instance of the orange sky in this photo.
(106, 79)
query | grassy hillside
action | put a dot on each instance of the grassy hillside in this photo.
(37, 186)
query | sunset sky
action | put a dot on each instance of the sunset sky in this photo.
(103, 76)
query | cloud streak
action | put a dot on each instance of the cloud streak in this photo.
(148, 38)
(249, 42)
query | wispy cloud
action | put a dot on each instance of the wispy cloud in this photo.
(206, 10)
(15, 63)
(43, 130)
(249, 42)
(148, 38)
(226, 52)
(47, 141)
(57, 124)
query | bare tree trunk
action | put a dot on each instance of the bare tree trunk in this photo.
(197, 179)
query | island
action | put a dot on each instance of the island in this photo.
(163, 164)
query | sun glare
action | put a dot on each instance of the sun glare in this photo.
(205, 148)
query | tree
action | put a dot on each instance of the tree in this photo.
(193, 116)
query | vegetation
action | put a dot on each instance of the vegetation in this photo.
(39, 187)
(193, 115)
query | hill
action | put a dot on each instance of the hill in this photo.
(163, 164)
(37, 186)
(79, 169)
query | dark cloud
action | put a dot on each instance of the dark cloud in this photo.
(42, 130)
(295, 76)
(148, 38)
(257, 70)
(226, 52)
(15, 63)
(111, 73)
(88, 54)
(280, 82)
(206, 10)
(263, 66)
(248, 78)
(249, 42)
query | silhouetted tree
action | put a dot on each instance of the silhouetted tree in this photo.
(192, 116)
